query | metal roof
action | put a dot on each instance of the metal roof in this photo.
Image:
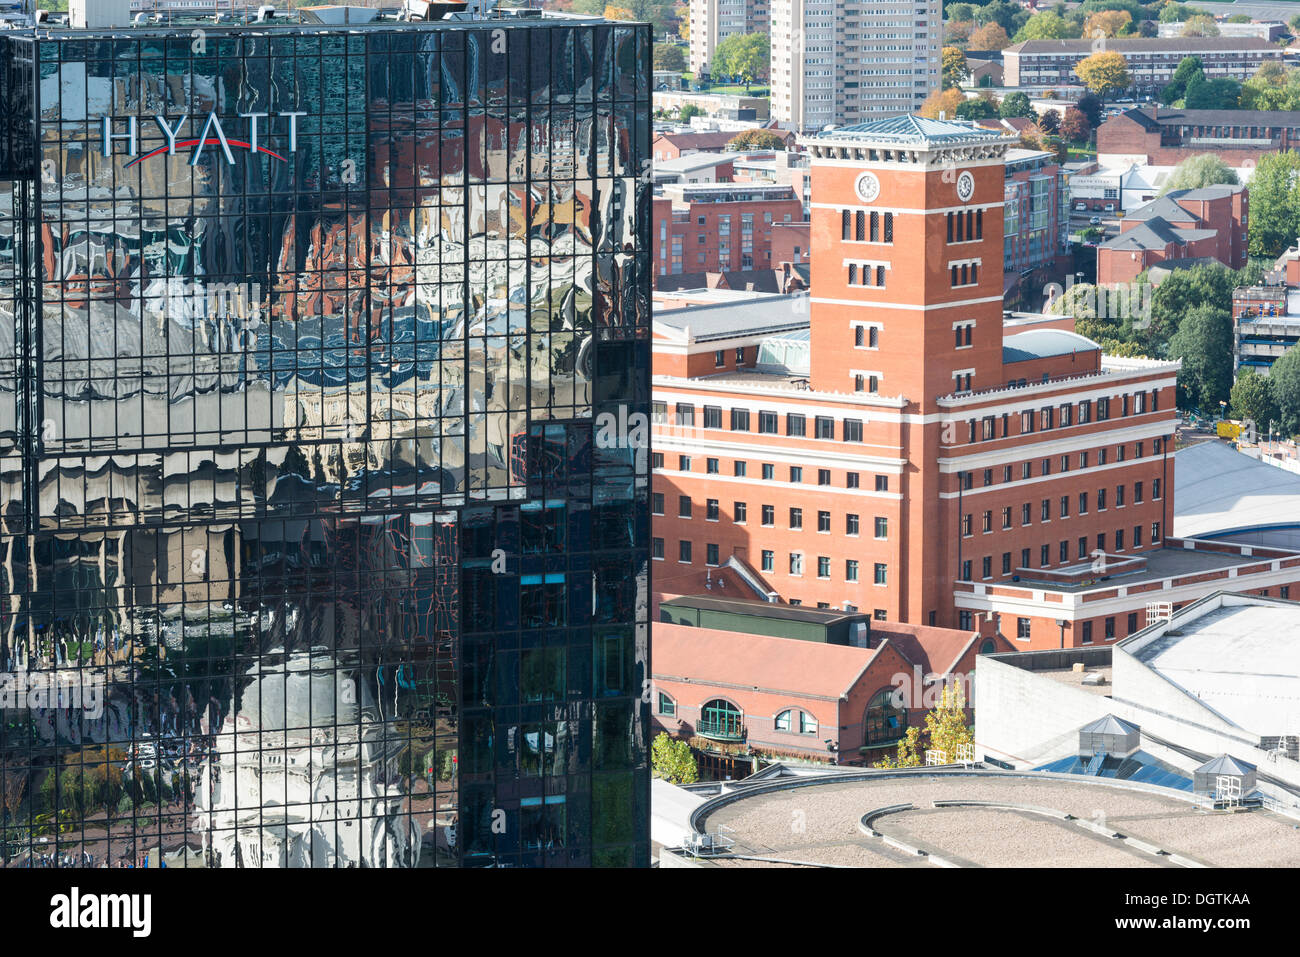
(1040, 343)
(913, 130)
(1218, 490)
(765, 315)
(764, 609)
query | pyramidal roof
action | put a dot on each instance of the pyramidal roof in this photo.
(914, 130)
(1109, 725)
(1225, 764)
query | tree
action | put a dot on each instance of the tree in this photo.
(1184, 289)
(756, 140)
(1178, 13)
(1285, 375)
(1200, 25)
(1050, 122)
(1189, 69)
(1046, 25)
(1104, 73)
(743, 55)
(977, 109)
(672, 760)
(954, 68)
(669, 56)
(960, 11)
(942, 101)
(1221, 93)
(1252, 398)
(1204, 343)
(1195, 172)
(1075, 126)
(1294, 23)
(1007, 15)
(1090, 106)
(1274, 204)
(991, 36)
(689, 110)
(946, 730)
(1107, 23)
(1016, 104)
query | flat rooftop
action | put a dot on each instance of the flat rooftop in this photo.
(1161, 563)
(1218, 489)
(1002, 831)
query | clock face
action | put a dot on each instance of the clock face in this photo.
(965, 186)
(868, 187)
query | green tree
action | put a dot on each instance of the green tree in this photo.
(1252, 398)
(1050, 122)
(669, 56)
(954, 68)
(1294, 23)
(672, 760)
(1195, 172)
(1204, 343)
(1016, 104)
(1185, 289)
(1221, 93)
(1189, 69)
(1046, 25)
(688, 110)
(1200, 25)
(958, 12)
(1285, 375)
(1090, 106)
(1274, 204)
(756, 140)
(1010, 17)
(977, 109)
(1177, 13)
(743, 55)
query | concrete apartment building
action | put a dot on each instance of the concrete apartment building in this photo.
(1039, 65)
(887, 445)
(712, 21)
(843, 63)
(1161, 136)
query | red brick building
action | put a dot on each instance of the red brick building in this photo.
(1162, 136)
(719, 227)
(780, 698)
(885, 444)
(1207, 223)
(672, 145)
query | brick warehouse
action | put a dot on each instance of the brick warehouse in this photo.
(893, 447)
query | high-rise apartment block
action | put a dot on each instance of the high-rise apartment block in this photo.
(712, 21)
(895, 444)
(324, 353)
(844, 63)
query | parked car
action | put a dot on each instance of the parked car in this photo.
(1095, 221)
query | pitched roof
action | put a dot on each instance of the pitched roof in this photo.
(1155, 233)
(1109, 724)
(708, 655)
(1165, 116)
(1163, 207)
(1226, 764)
(912, 130)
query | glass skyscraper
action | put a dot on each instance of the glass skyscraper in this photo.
(324, 369)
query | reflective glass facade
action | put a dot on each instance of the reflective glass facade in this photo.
(325, 532)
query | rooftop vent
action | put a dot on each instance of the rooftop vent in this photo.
(338, 14)
(1209, 778)
(1109, 736)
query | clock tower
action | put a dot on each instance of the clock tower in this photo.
(907, 276)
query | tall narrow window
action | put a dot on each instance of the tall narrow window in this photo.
(875, 226)
(846, 229)
(889, 227)
(860, 226)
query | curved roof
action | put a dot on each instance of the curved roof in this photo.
(1040, 343)
(1218, 489)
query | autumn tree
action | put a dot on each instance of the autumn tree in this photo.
(1104, 73)
(942, 101)
(1107, 23)
(756, 140)
(991, 36)
(1074, 126)
(1201, 25)
(954, 68)
(945, 730)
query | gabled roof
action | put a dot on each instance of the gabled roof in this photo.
(1162, 207)
(1155, 234)
(1170, 117)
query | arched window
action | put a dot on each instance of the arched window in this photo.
(721, 719)
(794, 720)
(988, 647)
(884, 721)
(667, 705)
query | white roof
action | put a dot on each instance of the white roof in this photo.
(1218, 489)
(670, 812)
(1240, 659)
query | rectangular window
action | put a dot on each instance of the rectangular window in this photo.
(851, 570)
(711, 466)
(684, 552)
(740, 420)
(712, 417)
(769, 561)
(881, 574)
(1087, 633)
(657, 548)
(711, 555)
(795, 424)
(1022, 628)
(882, 483)
(738, 512)
(796, 563)
(683, 506)
(738, 469)
(882, 527)
(852, 430)
(657, 503)
(986, 566)
(823, 567)
(796, 473)
(1006, 563)
(1006, 517)
(769, 472)
(1065, 506)
(796, 518)
(825, 427)
(1044, 556)
(823, 521)
(656, 460)
(683, 463)
(769, 516)
(850, 525)
(685, 414)
(767, 423)
(711, 510)
(823, 476)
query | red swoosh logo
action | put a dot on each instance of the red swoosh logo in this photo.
(210, 141)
